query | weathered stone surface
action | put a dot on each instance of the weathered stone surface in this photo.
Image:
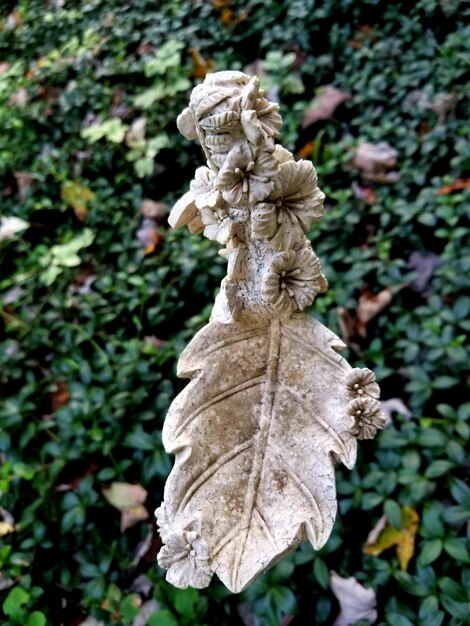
(271, 406)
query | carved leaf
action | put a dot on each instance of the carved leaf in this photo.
(256, 434)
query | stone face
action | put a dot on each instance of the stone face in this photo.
(271, 406)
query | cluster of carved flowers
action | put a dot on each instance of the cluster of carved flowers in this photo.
(185, 555)
(293, 280)
(252, 181)
(364, 407)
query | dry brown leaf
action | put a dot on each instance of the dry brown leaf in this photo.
(364, 193)
(356, 602)
(386, 536)
(306, 150)
(444, 105)
(147, 609)
(148, 235)
(395, 405)
(324, 105)
(363, 34)
(155, 210)
(129, 500)
(457, 185)
(19, 98)
(5, 583)
(132, 515)
(59, 397)
(370, 305)
(10, 226)
(137, 131)
(24, 181)
(375, 160)
(77, 196)
(155, 342)
(200, 65)
(6, 529)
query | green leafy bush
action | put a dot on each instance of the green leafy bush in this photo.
(98, 300)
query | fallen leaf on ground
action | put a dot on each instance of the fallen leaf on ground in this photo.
(137, 131)
(424, 264)
(82, 282)
(356, 602)
(149, 235)
(5, 583)
(200, 65)
(129, 500)
(306, 150)
(375, 160)
(6, 529)
(369, 306)
(384, 536)
(24, 181)
(91, 621)
(364, 193)
(155, 342)
(59, 397)
(148, 548)
(363, 34)
(395, 405)
(19, 98)
(444, 105)
(77, 196)
(324, 105)
(142, 585)
(457, 185)
(147, 609)
(10, 226)
(156, 210)
(7, 522)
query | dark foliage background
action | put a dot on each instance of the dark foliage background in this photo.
(97, 300)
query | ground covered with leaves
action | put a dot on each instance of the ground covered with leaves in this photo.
(98, 297)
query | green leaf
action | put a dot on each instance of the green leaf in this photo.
(130, 607)
(459, 610)
(456, 514)
(36, 618)
(15, 599)
(437, 468)
(398, 620)
(393, 513)
(430, 551)
(185, 601)
(457, 549)
(321, 573)
(162, 618)
(147, 98)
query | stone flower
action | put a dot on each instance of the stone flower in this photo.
(218, 225)
(268, 116)
(186, 557)
(244, 179)
(163, 522)
(204, 190)
(368, 417)
(361, 383)
(293, 280)
(292, 207)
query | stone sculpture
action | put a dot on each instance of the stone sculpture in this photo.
(271, 406)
